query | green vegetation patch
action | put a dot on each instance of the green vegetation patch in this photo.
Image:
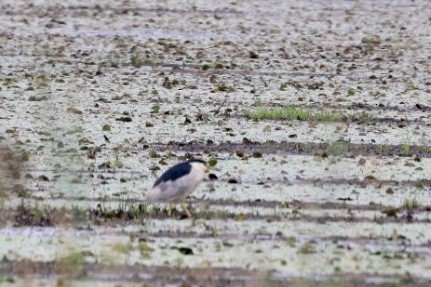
(295, 113)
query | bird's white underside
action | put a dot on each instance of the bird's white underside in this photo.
(178, 190)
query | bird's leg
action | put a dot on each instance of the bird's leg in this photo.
(186, 210)
(169, 208)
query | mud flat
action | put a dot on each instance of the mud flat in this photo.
(315, 115)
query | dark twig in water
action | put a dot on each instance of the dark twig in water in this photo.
(222, 104)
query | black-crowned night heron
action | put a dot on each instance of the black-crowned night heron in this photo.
(175, 184)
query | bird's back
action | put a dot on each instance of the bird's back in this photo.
(174, 173)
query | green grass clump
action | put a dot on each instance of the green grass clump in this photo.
(407, 139)
(212, 162)
(294, 113)
(73, 258)
(411, 203)
(338, 147)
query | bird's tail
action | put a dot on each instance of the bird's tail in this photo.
(152, 196)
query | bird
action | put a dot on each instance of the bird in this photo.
(176, 183)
